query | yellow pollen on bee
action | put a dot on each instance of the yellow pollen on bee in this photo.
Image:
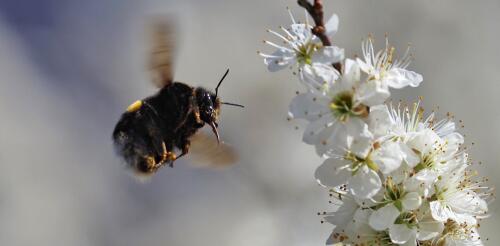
(134, 106)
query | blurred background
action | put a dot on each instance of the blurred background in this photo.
(68, 69)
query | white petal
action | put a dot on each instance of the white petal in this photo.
(424, 141)
(421, 182)
(412, 241)
(308, 106)
(453, 142)
(384, 217)
(468, 203)
(372, 93)
(331, 239)
(361, 146)
(301, 31)
(340, 135)
(365, 183)
(440, 212)
(332, 25)
(398, 78)
(429, 229)
(388, 157)
(317, 75)
(351, 70)
(409, 156)
(281, 59)
(328, 55)
(379, 120)
(365, 67)
(333, 172)
(312, 132)
(344, 214)
(411, 201)
(400, 233)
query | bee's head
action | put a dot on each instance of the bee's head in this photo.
(209, 105)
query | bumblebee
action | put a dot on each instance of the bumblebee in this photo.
(153, 130)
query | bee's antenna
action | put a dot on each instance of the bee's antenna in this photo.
(220, 82)
(233, 104)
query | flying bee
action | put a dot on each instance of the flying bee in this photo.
(153, 130)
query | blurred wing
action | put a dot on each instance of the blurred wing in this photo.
(162, 51)
(205, 152)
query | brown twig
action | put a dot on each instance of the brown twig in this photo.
(316, 12)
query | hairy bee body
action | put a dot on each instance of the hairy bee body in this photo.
(148, 134)
(152, 131)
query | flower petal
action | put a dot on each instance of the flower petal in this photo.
(301, 32)
(384, 217)
(333, 172)
(409, 156)
(313, 130)
(411, 201)
(309, 106)
(344, 214)
(361, 146)
(365, 67)
(400, 233)
(439, 211)
(332, 25)
(279, 59)
(317, 75)
(372, 93)
(340, 135)
(365, 183)
(388, 157)
(429, 229)
(399, 78)
(328, 55)
(379, 120)
(351, 70)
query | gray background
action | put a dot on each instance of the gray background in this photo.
(69, 68)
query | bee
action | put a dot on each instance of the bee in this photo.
(153, 130)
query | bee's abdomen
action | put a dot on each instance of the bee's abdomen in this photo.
(138, 139)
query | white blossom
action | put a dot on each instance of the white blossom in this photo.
(302, 49)
(456, 196)
(334, 113)
(384, 71)
(358, 167)
(395, 176)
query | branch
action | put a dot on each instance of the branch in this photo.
(316, 12)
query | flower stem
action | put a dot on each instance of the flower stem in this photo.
(316, 12)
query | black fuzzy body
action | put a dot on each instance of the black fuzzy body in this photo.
(169, 117)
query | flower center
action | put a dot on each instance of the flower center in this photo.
(358, 162)
(304, 53)
(394, 193)
(428, 161)
(407, 218)
(342, 106)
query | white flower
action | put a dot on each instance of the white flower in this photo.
(385, 72)
(396, 200)
(462, 233)
(358, 167)
(335, 113)
(405, 226)
(358, 232)
(457, 196)
(305, 50)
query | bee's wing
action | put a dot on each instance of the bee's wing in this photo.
(206, 152)
(162, 51)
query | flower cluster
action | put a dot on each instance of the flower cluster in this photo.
(395, 176)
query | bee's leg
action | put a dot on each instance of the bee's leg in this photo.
(167, 156)
(185, 148)
(196, 113)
